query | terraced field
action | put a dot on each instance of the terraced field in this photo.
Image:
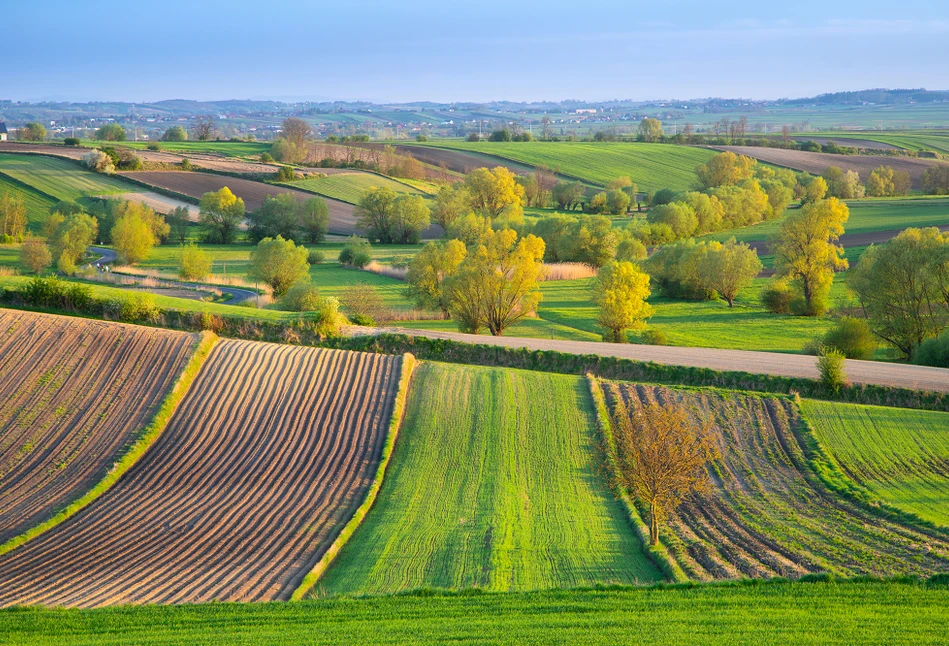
(649, 166)
(768, 514)
(60, 179)
(260, 467)
(494, 484)
(899, 456)
(74, 394)
(350, 187)
(37, 205)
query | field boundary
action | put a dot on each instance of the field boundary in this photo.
(660, 554)
(395, 422)
(202, 348)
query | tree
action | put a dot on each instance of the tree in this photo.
(650, 130)
(591, 240)
(493, 190)
(617, 201)
(887, 182)
(277, 216)
(314, 219)
(500, 135)
(221, 213)
(804, 251)
(296, 131)
(32, 131)
(598, 203)
(71, 238)
(132, 238)
(155, 221)
(903, 287)
(708, 211)
(13, 218)
(725, 169)
(678, 216)
(662, 453)
(567, 194)
(728, 268)
(429, 270)
(35, 255)
(98, 161)
(388, 217)
(288, 152)
(278, 263)
(620, 292)
(194, 263)
(175, 133)
(365, 305)
(451, 203)
(936, 180)
(202, 128)
(496, 284)
(110, 132)
(178, 224)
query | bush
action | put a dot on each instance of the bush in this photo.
(830, 363)
(59, 294)
(186, 164)
(933, 352)
(135, 307)
(356, 253)
(193, 263)
(663, 196)
(303, 296)
(365, 306)
(71, 141)
(401, 261)
(777, 297)
(315, 257)
(287, 174)
(852, 337)
(154, 147)
(653, 336)
(267, 158)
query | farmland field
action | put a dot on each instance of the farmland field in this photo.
(60, 179)
(767, 514)
(37, 205)
(493, 485)
(765, 615)
(899, 456)
(350, 187)
(261, 465)
(75, 393)
(649, 166)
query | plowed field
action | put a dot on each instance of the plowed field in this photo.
(264, 461)
(768, 514)
(73, 394)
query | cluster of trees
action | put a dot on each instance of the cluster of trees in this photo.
(389, 217)
(704, 270)
(291, 145)
(888, 182)
(221, 214)
(936, 180)
(68, 236)
(175, 133)
(843, 186)
(291, 219)
(110, 132)
(32, 131)
(13, 219)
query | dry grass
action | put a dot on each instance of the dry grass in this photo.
(146, 281)
(210, 280)
(386, 270)
(569, 271)
(9, 271)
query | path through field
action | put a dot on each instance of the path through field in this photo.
(259, 469)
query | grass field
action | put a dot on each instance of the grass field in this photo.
(227, 148)
(61, 179)
(900, 456)
(350, 187)
(763, 615)
(493, 485)
(650, 166)
(37, 205)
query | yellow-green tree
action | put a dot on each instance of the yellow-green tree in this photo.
(621, 291)
(429, 270)
(451, 203)
(728, 268)
(805, 253)
(132, 238)
(72, 237)
(492, 191)
(35, 255)
(650, 129)
(193, 262)
(279, 263)
(725, 169)
(221, 213)
(815, 190)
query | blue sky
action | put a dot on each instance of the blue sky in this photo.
(468, 51)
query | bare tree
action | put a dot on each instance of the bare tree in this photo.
(548, 131)
(296, 131)
(203, 128)
(662, 453)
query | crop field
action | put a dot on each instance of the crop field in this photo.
(225, 148)
(768, 514)
(769, 614)
(260, 467)
(899, 456)
(37, 205)
(458, 161)
(60, 179)
(493, 485)
(350, 187)
(650, 166)
(75, 392)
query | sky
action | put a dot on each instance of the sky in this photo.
(447, 50)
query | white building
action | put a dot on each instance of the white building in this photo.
(3, 131)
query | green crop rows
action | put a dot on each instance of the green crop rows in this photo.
(349, 187)
(60, 178)
(493, 485)
(37, 205)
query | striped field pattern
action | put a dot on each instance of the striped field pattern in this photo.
(262, 464)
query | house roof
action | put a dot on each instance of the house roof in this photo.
(3, 127)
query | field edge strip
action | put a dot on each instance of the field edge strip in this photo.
(202, 348)
(660, 554)
(395, 422)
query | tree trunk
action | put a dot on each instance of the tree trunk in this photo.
(653, 524)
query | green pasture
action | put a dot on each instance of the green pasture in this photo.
(350, 187)
(61, 179)
(37, 204)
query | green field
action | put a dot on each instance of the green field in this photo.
(61, 179)
(349, 187)
(227, 148)
(650, 166)
(899, 456)
(493, 485)
(37, 205)
(762, 615)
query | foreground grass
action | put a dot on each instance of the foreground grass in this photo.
(777, 613)
(900, 456)
(494, 484)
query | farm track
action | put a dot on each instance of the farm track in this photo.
(768, 515)
(74, 393)
(262, 464)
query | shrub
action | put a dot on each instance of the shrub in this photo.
(364, 305)
(193, 263)
(186, 164)
(71, 141)
(356, 252)
(302, 296)
(852, 337)
(830, 363)
(401, 261)
(98, 161)
(35, 254)
(933, 352)
(153, 146)
(663, 196)
(315, 257)
(136, 307)
(286, 174)
(59, 294)
(654, 336)
(267, 158)
(777, 297)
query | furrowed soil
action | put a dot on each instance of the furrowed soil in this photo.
(494, 484)
(260, 467)
(75, 393)
(767, 514)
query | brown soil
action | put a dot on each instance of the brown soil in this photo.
(459, 161)
(816, 163)
(264, 462)
(768, 514)
(75, 392)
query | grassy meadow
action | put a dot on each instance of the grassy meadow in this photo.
(493, 485)
(350, 187)
(61, 179)
(37, 204)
